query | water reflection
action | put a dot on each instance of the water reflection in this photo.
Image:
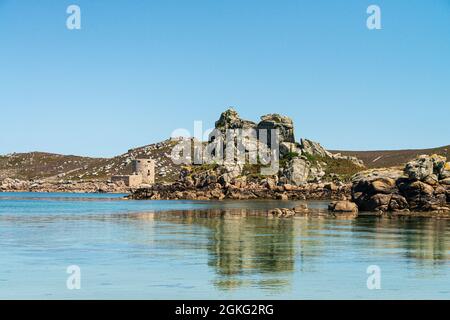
(234, 248)
(247, 249)
(241, 243)
(424, 240)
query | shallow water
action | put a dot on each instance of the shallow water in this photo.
(211, 250)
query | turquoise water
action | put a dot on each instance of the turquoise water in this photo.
(211, 250)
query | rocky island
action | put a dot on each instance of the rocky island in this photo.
(309, 172)
(304, 171)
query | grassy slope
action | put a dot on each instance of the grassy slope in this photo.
(39, 165)
(42, 165)
(392, 158)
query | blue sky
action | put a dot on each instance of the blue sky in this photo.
(137, 70)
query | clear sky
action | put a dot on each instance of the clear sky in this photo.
(137, 70)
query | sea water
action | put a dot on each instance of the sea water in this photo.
(128, 249)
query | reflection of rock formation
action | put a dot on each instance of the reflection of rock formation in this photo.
(421, 240)
(240, 246)
(246, 249)
(252, 245)
(428, 242)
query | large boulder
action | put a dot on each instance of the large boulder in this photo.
(223, 142)
(352, 159)
(289, 147)
(343, 206)
(384, 185)
(314, 148)
(228, 172)
(9, 184)
(316, 173)
(230, 119)
(297, 171)
(420, 195)
(239, 139)
(372, 189)
(416, 188)
(425, 166)
(439, 164)
(284, 124)
(445, 174)
(368, 176)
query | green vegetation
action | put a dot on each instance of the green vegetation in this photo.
(313, 159)
(203, 167)
(344, 169)
(290, 155)
(286, 158)
(252, 170)
(393, 158)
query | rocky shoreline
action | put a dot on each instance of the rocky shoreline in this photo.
(423, 185)
(17, 185)
(422, 188)
(244, 191)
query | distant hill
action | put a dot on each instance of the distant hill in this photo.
(34, 165)
(49, 166)
(393, 158)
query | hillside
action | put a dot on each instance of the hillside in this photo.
(37, 165)
(48, 166)
(392, 158)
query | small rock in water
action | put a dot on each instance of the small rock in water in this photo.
(343, 206)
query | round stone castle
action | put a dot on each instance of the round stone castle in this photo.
(146, 169)
(143, 174)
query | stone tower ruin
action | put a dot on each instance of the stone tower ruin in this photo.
(146, 169)
(143, 173)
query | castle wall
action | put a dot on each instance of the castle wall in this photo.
(131, 181)
(143, 173)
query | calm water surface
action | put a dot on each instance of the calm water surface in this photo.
(211, 250)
